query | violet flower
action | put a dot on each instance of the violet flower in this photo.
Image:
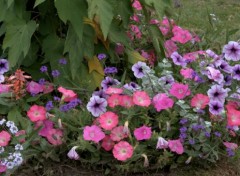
(139, 69)
(132, 86)
(2, 78)
(55, 73)
(108, 82)
(4, 66)
(232, 51)
(236, 72)
(43, 69)
(224, 66)
(62, 61)
(217, 93)
(216, 107)
(178, 59)
(97, 106)
(110, 70)
(162, 143)
(101, 93)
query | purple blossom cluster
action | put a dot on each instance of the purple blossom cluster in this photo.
(71, 105)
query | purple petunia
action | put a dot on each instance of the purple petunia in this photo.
(178, 59)
(166, 80)
(211, 54)
(97, 106)
(108, 82)
(110, 70)
(223, 65)
(43, 69)
(101, 93)
(232, 51)
(228, 80)
(216, 107)
(132, 86)
(217, 93)
(236, 72)
(4, 66)
(139, 69)
(55, 73)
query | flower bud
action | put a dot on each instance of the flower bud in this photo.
(72, 154)
(162, 143)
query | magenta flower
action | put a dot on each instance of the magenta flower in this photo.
(143, 133)
(232, 51)
(162, 101)
(178, 59)
(93, 133)
(215, 75)
(176, 146)
(180, 91)
(34, 88)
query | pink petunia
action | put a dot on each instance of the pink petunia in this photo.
(161, 101)
(3, 168)
(114, 100)
(55, 136)
(5, 137)
(233, 117)
(34, 88)
(107, 143)
(170, 46)
(143, 133)
(165, 25)
(176, 146)
(48, 87)
(136, 4)
(231, 145)
(113, 90)
(47, 126)
(36, 113)
(93, 133)
(126, 101)
(118, 133)
(141, 98)
(108, 120)
(68, 95)
(180, 91)
(187, 73)
(122, 151)
(180, 35)
(200, 101)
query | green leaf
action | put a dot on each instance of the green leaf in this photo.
(74, 47)
(134, 56)
(9, 3)
(18, 39)
(104, 11)
(159, 5)
(73, 11)
(14, 115)
(37, 2)
(125, 10)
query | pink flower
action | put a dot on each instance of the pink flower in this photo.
(47, 126)
(113, 90)
(36, 113)
(181, 35)
(119, 49)
(122, 151)
(141, 98)
(176, 146)
(93, 133)
(108, 120)
(230, 145)
(55, 136)
(233, 117)
(215, 75)
(5, 137)
(68, 95)
(171, 47)
(162, 101)
(165, 26)
(3, 168)
(143, 133)
(48, 87)
(136, 4)
(34, 88)
(4, 88)
(135, 29)
(162, 143)
(154, 21)
(107, 143)
(200, 101)
(72, 154)
(135, 18)
(187, 73)
(114, 100)
(126, 101)
(118, 133)
(20, 136)
(180, 91)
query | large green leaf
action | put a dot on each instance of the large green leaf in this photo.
(18, 39)
(125, 10)
(159, 5)
(74, 47)
(37, 2)
(103, 10)
(73, 11)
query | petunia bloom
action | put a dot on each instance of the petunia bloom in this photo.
(176, 146)
(200, 101)
(67, 95)
(5, 137)
(118, 133)
(143, 133)
(36, 113)
(122, 151)
(108, 120)
(93, 133)
(72, 154)
(180, 91)
(162, 143)
(232, 51)
(161, 101)
(141, 98)
(107, 143)
(34, 88)
(97, 106)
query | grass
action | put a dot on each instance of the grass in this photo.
(195, 15)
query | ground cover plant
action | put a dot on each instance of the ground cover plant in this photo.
(127, 90)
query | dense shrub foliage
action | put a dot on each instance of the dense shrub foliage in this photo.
(112, 84)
